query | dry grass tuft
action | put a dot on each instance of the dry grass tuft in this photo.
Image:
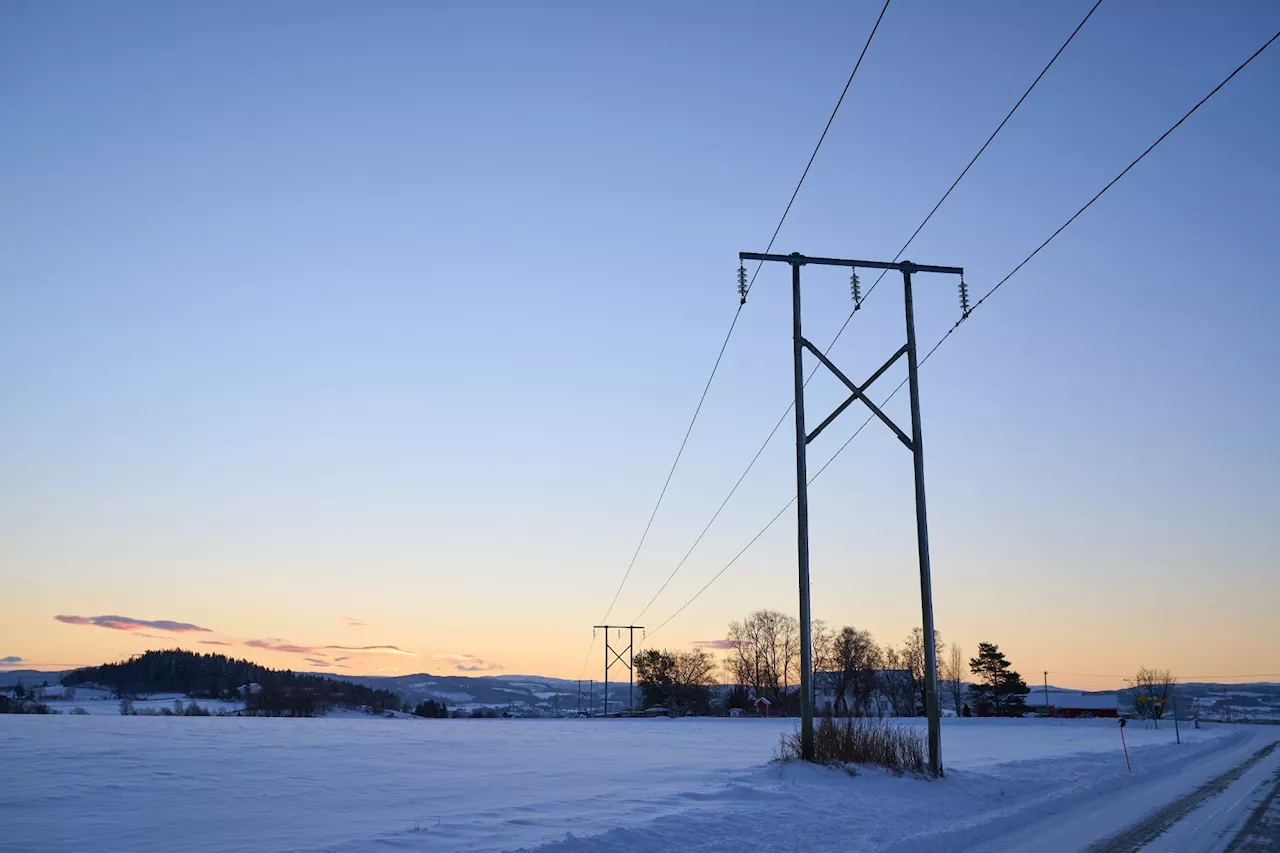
(860, 740)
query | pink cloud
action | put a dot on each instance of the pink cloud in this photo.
(278, 645)
(717, 644)
(374, 650)
(468, 663)
(275, 644)
(127, 623)
(215, 643)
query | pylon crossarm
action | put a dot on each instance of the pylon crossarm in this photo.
(801, 260)
(857, 394)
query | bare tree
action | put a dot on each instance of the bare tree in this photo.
(823, 661)
(913, 660)
(893, 682)
(953, 678)
(741, 660)
(786, 658)
(1152, 692)
(679, 680)
(765, 653)
(695, 668)
(855, 661)
(823, 647)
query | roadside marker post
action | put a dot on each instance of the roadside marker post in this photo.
(1125, 745)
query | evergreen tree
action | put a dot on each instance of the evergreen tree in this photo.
(278, 693)
(655, 675)
(998, 691)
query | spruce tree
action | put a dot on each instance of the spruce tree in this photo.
(998, 691)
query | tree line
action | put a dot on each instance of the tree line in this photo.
(861, 676)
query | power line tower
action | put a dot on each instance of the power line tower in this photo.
(614, 655)
(912, 443)
(590, 694)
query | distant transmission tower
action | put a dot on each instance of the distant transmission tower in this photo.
(614, 655)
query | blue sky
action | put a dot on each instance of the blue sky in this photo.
(398, 314)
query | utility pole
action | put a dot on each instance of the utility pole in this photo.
(914, 443)
(1177, 733)
(614, 655)
(1048, 712)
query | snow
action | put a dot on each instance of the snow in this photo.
(453, 698)
(111, 707)
(1219, 820)
(353, 785)
(1074, 699)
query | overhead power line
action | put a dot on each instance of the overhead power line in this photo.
(896, 258)
(733, 324)
(1181, 677)
(975, 307)
(814, 155)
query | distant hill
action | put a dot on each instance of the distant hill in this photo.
(29, 677)
(525, 693)
(1241, 703)
(265, 691)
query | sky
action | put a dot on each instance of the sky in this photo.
(362, 338)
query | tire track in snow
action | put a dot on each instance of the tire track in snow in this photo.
(1261, 831)
(1140, 834)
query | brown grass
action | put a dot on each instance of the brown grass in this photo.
(860, 740)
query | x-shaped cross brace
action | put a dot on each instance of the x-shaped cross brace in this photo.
(617, 656)
(859, 393)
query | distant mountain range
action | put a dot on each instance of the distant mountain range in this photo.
(30, 677)
(538, 694)
(525, 692)
(520, 692)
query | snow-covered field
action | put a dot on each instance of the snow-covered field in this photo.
(111, 783)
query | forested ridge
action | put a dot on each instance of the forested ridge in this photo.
(217, 676)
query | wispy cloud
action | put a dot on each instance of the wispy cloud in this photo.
(11, 659)
(354, 623)
(717, 644)
(372, 650)
(343, 657)
(128, 623)
(468, 663)
(324, 663)
(275, 644)
(215, 643)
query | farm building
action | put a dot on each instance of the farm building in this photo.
(1073, 704)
